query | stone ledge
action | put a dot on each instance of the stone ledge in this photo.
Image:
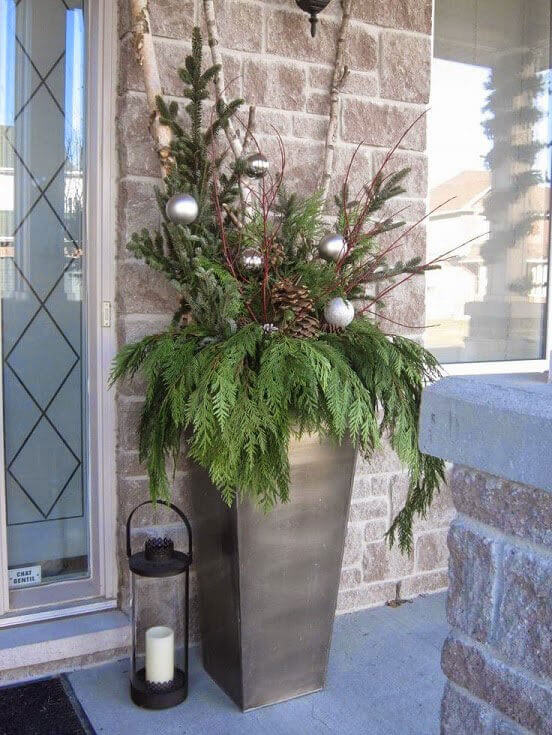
(501, 424)
(56, 640)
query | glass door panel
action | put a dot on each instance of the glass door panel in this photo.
(43, 336)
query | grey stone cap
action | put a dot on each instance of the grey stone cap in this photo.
(501, 424)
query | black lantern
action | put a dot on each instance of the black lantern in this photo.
(313, 7)
(160, 618)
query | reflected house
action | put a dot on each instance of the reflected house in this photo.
(459, 297)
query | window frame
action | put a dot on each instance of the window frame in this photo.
(101, 190)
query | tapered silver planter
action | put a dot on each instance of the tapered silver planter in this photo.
(269, 582)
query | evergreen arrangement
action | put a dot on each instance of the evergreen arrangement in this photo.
(264, 344)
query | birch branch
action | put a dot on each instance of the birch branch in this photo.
(145, 54)
(214, 43)
(340, 74)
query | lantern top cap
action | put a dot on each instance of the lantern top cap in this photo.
(159, 557)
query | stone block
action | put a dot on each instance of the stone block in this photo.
(462, 715)
(525, 700)
(142, 290)
(516, 509)
(382, 124)
(523, 630)
(405, 67)
(303, 161)
(128, 414)
(365, 596)
(472, 570)
(137, 155)
(411, 15)
(404, 306)
(383, 460)
(132, 328)
(430, 550)
(274, 84)
(137, 209)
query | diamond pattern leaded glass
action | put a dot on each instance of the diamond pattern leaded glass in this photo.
(41, 254)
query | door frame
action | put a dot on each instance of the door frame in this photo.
(101, 192)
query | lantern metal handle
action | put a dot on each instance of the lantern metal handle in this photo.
(168, 505)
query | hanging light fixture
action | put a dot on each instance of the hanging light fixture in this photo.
(313, 7)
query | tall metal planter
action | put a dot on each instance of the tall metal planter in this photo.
(268, 582)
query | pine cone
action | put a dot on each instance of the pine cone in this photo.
(294, 309)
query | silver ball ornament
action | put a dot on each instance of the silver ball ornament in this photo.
(251, 259)
(339, 313)
(332, 247)
(182, 209)
(256, 165)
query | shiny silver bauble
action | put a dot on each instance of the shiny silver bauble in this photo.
(256, 165)
(251, 259)
(332, 247)
(182, 209)
(339, 313)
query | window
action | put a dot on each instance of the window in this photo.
(489, 170)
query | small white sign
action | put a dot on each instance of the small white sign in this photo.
(24, 577)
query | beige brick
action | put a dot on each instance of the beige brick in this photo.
(368, 509)
(240, 25)
(350, 578)
(352, 553)
(415, 182)
(375, 530)
(425, 583)
(272, 122)
(172, 18)
(357, 82)
(382, 124)
(365, 596)
(314, 128)
(413, 15)
(405, 67)
(381, 562)
(274, 84)
(289, 36)
(318, 103)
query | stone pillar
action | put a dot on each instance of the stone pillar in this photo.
(498, 655)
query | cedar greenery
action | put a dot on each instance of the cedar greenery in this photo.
(249, 360)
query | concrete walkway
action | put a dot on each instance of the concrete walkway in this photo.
(384, 679)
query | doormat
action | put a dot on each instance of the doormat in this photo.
(46, 707)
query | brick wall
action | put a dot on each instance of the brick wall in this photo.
(498, 657)
(271, 61)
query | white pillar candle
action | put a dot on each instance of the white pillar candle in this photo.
(159, 654)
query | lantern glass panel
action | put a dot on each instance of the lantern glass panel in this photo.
(159, 661)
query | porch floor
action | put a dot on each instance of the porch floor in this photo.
(384, 678)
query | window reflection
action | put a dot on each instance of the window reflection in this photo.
(489, 149)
